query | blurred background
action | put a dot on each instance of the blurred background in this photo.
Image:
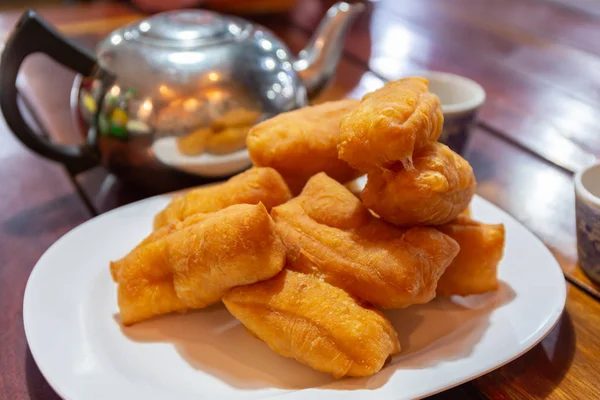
(240, 6)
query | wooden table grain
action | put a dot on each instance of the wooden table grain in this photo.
(539, 61)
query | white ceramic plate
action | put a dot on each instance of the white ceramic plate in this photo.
(71, 322)
(205, 164)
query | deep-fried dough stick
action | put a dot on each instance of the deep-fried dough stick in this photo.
(303, 142)
(474, 270)
(434, 192)
(250, 187)
(192, 264)
(193, 143)
(302, 317)
(390, 124)
(328, 232)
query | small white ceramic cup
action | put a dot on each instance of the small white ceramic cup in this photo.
(461, 98)
(587, 216)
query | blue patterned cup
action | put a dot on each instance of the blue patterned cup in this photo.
(461, 99)
(587, 215)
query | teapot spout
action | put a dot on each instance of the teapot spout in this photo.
(317, 62)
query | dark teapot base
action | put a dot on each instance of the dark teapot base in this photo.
(133, 161)
(153, 181)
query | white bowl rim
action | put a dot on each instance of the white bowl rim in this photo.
(580, 188)
(478, 91)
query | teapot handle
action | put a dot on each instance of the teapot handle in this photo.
(32, 35)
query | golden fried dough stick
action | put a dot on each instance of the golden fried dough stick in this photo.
(227, 140)
(250, 187)
(235, 118)
(328, 232)
(474, 270)
(192, 264)
(299, 316)
(174, 226)
(225, 135)
(390, 124)
(303, 142)
(193, 143)
(434, 192)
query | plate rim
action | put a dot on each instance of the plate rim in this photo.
(532, 341)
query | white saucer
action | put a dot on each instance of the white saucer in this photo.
(205, 164)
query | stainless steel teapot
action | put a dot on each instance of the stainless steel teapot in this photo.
(171, 97)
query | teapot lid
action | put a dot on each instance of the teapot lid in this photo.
(172, 48)
(186, 28)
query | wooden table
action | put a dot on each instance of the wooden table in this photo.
(539, 62)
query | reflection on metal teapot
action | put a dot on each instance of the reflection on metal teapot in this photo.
(174, 93)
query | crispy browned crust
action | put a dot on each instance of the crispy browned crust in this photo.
(328, 232)
(250, 187)
(434, 192)
(390, 124)
(302, 143)
(192, 264)
(475, 268)
(303, 317)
